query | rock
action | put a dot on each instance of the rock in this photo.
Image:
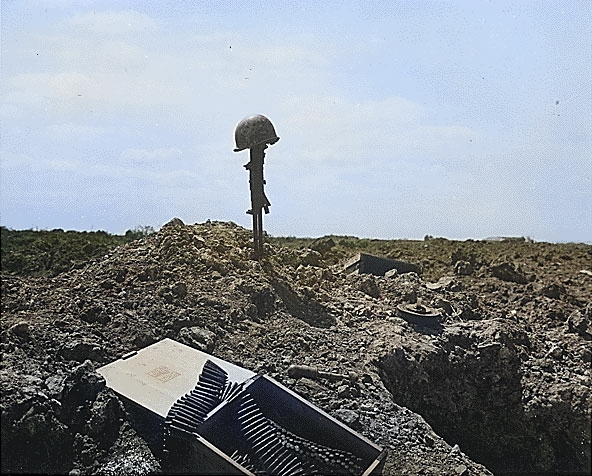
(343, 391)
(81, 387)
(461, 470)
(179, 290)
(264, 300)
(198, 242)
(444, 305)
(148, 273)
(107, 284)
(463, 268)
(198, 338)
(129, 455)
(507, 272)
(94, 313)
(409, 295)
(252, 311)
(364, 263)
(578, 324)
(322, 245)
(106, 415)
(447, 283)
(368, 286)
(461, 255)
(55, 385)
(174, 222)
(391, 273)
(311, 257)
(20, 329)
(144, 339)
(349, 417)
(553, 291)
(81, 350)
(556, 353)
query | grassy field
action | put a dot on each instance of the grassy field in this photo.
(48, 253)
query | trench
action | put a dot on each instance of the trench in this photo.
(474, 398)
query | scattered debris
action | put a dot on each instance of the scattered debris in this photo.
(299, 371)
(507, 272)
(368, 286)
(506, 376)
(364, 263)
(419, 314)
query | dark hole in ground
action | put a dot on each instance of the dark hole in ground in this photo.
(473, 396)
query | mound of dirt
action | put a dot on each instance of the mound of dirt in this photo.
(504, 377)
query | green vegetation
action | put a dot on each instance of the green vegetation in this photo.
(48, 253)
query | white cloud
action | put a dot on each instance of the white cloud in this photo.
(148, 111)
(112, 81)
(341, 131)
(112, 22)
(154, 75)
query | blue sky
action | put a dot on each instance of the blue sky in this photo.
(461, 119)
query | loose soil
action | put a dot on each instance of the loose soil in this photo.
(500, 384)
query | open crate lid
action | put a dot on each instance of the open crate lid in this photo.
(156, 376)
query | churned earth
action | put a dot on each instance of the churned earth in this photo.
(501, 384)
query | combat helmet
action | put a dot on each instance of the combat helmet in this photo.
(254, 130)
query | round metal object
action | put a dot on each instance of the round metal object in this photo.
(254, 130)
(419, 314)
